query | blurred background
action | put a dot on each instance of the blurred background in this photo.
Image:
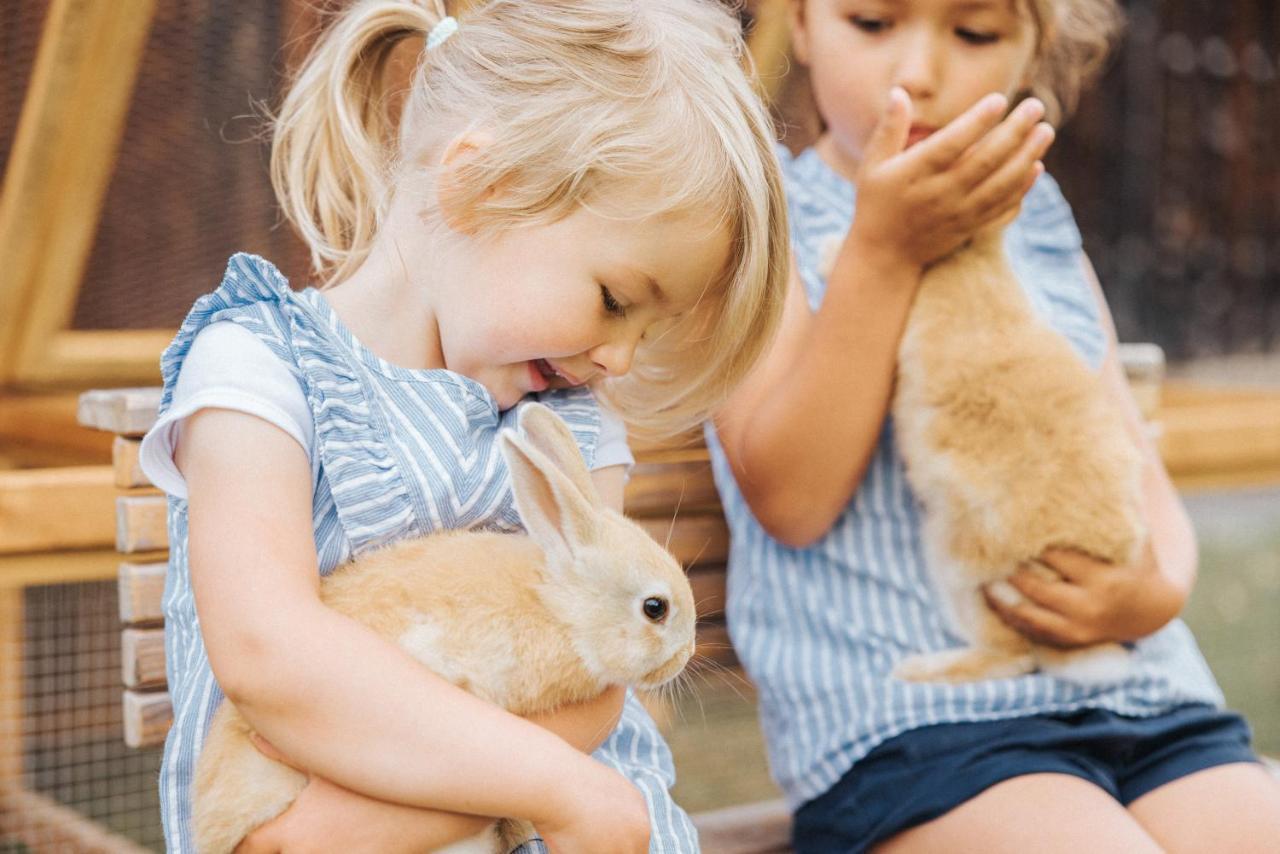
(134, 164)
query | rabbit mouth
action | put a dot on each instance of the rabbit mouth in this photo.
(668, 671)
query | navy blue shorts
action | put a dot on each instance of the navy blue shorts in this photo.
(922, 774)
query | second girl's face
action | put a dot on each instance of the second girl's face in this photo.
(946, 54)
(563, 304)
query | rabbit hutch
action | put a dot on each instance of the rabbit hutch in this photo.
(134, 163)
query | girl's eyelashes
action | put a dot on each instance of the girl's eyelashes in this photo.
(977, 37)
(611, 305)
(869, 25)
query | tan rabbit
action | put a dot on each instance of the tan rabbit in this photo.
(1013, 448)
(585, 601)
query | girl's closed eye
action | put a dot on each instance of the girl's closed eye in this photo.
(611, 305)
(977, 36)
(870, 24)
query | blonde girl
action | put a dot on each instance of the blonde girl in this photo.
(828, 584)
(575, 201)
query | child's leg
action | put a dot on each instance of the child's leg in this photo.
(1035, 812)
(1226, 808)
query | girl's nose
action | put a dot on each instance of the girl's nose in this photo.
(614, 357)
(917, 68)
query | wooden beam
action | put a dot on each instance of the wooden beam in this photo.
(58, 509)
(761, 828)
(694, 540)
(769, 42)
(12, 684)
(105, 357)
(47, 422)
(25, 570)
(124, 411)
(658, 488)
(43, 824)
(59, 167)
(147, 717)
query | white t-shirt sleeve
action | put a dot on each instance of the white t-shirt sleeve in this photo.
(612, 449)
(227, 367)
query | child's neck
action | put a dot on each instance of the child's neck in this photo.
(388, 311)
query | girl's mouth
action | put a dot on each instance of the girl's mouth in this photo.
(550, 373)
(918, 133)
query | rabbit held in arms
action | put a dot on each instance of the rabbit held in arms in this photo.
(530, 623)
(1013, 447)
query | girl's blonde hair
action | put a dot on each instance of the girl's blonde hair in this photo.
(1073, 38)
(580, 97)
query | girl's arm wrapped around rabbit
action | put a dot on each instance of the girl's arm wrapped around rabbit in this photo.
(1093, 602)
(329, 692)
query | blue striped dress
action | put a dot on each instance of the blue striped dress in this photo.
(399, 453)
(820, 628)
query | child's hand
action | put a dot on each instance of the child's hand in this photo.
(606, 815)
(921, 203)
(1089, 601)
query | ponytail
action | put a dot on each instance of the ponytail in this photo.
(335, 138)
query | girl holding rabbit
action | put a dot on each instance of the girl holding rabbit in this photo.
(574, 201)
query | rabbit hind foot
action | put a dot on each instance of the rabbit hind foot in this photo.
(964, 665)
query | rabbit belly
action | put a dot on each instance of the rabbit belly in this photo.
(236, 788)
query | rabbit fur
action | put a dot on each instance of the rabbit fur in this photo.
(1012, 447)
(529, 623)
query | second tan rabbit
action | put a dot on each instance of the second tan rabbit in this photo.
(530, 623)
(1012, 447)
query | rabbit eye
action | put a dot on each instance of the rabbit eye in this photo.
(655, 608)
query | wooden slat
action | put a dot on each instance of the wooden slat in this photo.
(125, 463)
(141, 587)
(42, 824)
(658, 488)
(1222, 442)
(12, 684)
(59, 167)
(124, 411)
(56, 509)
(24, 570)
(712, 644)
(141, 524)
(694, 540)
(147, 717)
(44, 425)
(761, 828)
(708, 583)
(142, 657)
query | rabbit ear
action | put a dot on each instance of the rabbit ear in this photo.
(557, 515)
(547, 432)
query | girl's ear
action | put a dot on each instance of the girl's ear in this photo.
(799, 31)
(454, 201)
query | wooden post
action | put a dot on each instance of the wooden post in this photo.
(11, 631)
(59, 168)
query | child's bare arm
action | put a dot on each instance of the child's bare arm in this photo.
(800, 431)
(1094, 601)
(342, 702)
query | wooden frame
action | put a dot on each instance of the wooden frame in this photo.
(59, 168)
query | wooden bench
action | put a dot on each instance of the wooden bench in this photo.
(664, 478)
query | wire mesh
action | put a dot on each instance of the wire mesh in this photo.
(77, 782)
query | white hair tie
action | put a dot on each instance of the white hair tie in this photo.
(440, 32)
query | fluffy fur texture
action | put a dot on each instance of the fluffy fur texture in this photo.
(530, 623)
(1012, 447)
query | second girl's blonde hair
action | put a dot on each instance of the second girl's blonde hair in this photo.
(580, 97)
(1073, 38)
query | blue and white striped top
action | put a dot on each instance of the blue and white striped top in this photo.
(400, 453)
(819, 629)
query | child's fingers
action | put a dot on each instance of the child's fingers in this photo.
(1011, 181)
(1038, 623)
(1048, 590)
(945, 147)
(890, 134)
(995, 149)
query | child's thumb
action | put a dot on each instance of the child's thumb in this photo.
(890, 134)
